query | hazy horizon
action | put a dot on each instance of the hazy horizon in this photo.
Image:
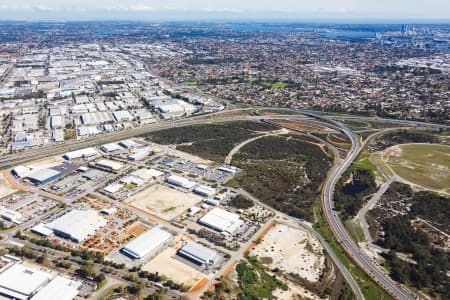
(178, 10)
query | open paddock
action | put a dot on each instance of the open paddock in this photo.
(163, 201)
(427, 165)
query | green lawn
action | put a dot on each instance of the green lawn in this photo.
(275, 85)
(189, 83)
(363, 163)
(355, 230)
(427, 165)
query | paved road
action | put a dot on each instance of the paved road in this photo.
(327, 200)
(338, 228)
(369, 205)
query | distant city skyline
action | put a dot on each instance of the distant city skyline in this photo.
(32, 10)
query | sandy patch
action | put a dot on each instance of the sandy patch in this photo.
(291, 250)
(5, 188)
(165, 264)
(294, 292)
(164, 201)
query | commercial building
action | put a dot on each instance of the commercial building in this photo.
(122, 116)
(10, 215)
(228, 169)
(42, 230)
(77, 225)
(147, 243)
(109, 164)
(205, 191)
(59, 288)
(180, 181)
(56, 122)
(21, 282)
(113, 188)
(111, 147)
(222, 221)
(139, 155)
(43, 176)
(128, 144)
(21, 171)
(198, 254)
(82, 153)
(147, 174)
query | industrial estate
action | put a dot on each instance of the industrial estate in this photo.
(121, 179)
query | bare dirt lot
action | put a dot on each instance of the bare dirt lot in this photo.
(291, 250)
(165, 264)
(5, 188)
(164, 201)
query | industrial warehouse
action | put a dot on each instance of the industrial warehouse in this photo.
(44, 176)
(222, 220)
(22, 282)
(132, 202)
(147, 243)
(77, 225)
(198, 254)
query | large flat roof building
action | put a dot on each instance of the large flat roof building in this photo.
(147, 243)
(60, 288)
(180, 181)
(221, 220)
(82, 153)
(77, 225)
(111, 147)
(198, 254)
(43, 176)
(21, 282)
(109, 164)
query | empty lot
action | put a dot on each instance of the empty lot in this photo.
(166, 264)
(291, 250)
(164, 201)
(427, 165)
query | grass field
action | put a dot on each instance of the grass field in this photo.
(355, 230)
(427, 165)
(275, 85)
(376, 159)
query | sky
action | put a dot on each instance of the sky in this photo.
(32, 10)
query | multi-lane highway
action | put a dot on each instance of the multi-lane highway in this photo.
(327, 197)
(338, 228)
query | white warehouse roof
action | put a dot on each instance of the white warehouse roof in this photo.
(41, 229)
(180, 181)
(110, 147)
(83, 153)
(147, 243)
(198, 253)
(205, 190)
(43, 175)
(109, 164)
(21, 281)
(77, 225)
(128, 144)
(21, 171)
(59, 288)
(221, 220)
(147, 174)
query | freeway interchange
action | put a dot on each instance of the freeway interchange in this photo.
(333, 220)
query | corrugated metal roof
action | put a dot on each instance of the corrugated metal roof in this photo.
(147, 242)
